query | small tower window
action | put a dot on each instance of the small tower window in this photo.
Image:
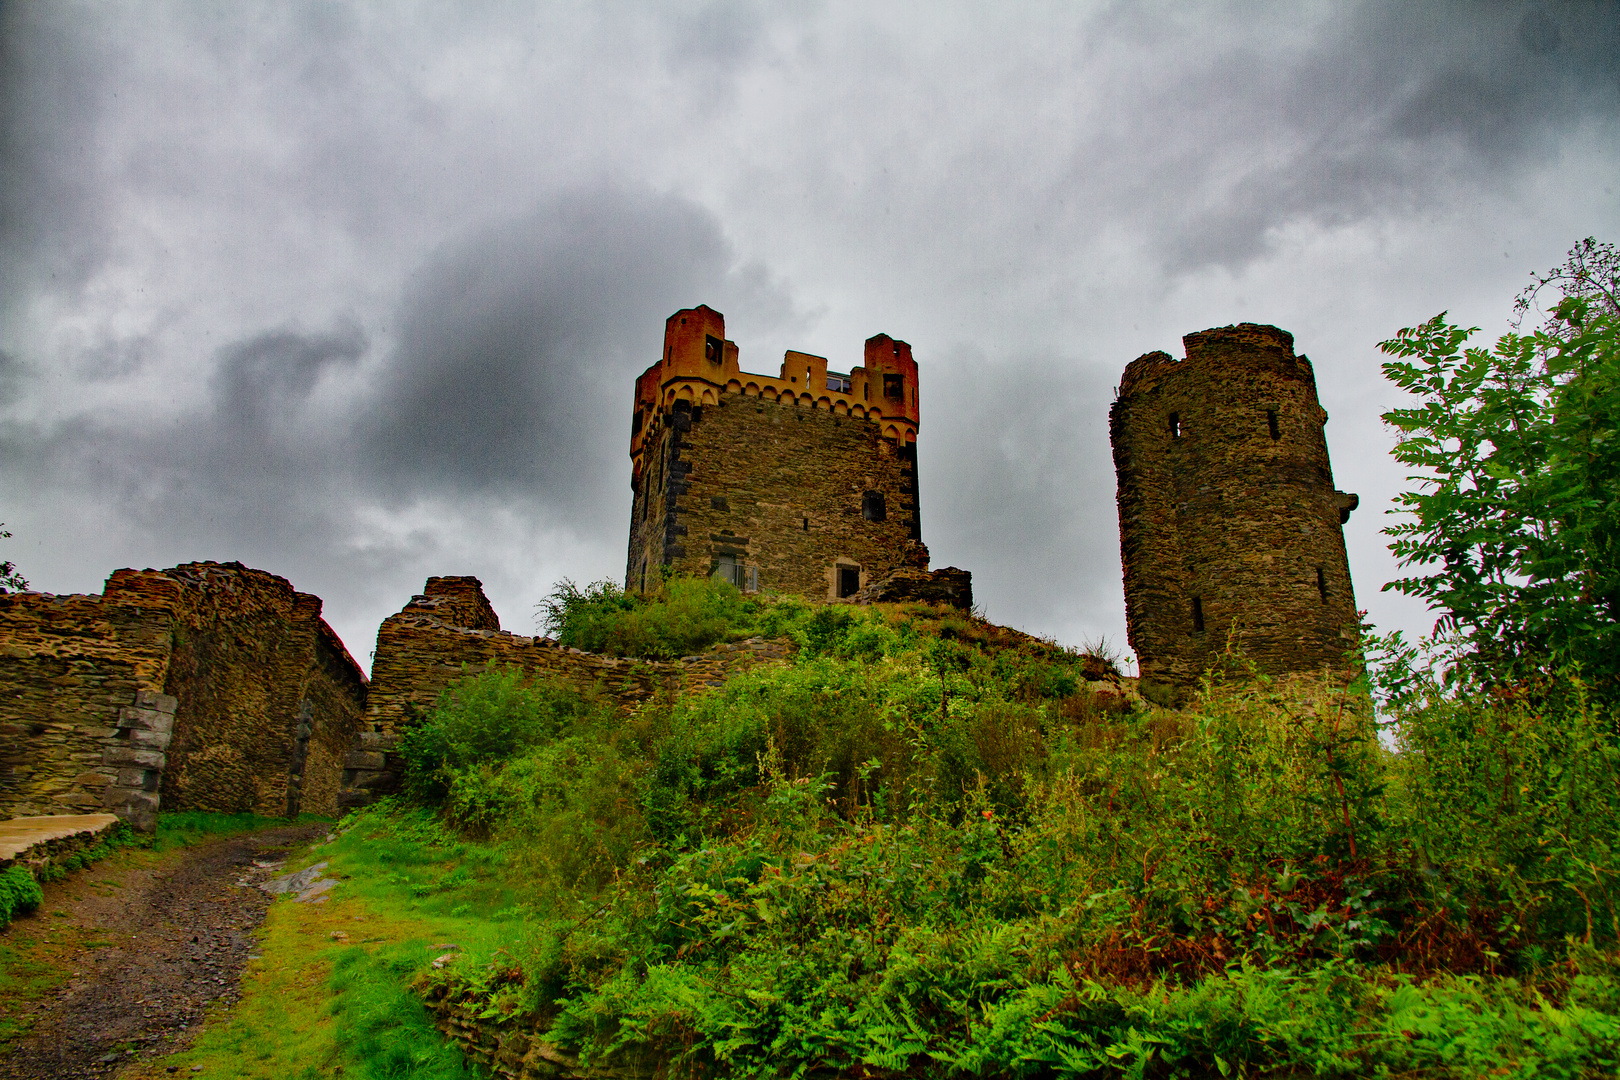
(1321, 584)
(894, 387)
(849, 581)
(806, 524)
(872, 508)
(1271, 422)
(714, 350)
(1198, 615)
(1175, 425)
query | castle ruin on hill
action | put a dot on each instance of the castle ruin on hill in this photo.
(804, 482)
(1230, 528)
(214, 686)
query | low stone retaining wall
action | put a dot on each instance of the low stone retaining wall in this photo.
(38, 842)
(509, 1052)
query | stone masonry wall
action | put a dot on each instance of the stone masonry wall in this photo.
(259, 683)
(71, 670)
(780, 487)
(421, 650)
(191, 687)
(1230, 527)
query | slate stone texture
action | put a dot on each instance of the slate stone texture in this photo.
(205, 686)
(1230, 528)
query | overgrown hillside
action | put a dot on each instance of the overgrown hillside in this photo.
(931, 847)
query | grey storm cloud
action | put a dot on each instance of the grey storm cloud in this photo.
(518, 345)
(514, 359)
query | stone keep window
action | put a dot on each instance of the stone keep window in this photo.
(894, 387)
(714, 350)
(729, 570)
(1175, 425)
(849, 580)
(1271, 423)
(872, 508)
(1198, 614)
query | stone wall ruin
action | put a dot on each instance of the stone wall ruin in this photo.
(1230, 528)
(207, 686)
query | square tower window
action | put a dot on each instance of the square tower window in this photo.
(849, 581)
(894, 387)
(872, 508)
(729, 570)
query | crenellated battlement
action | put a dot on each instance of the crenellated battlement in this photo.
(700, 365)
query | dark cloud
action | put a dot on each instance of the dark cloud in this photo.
(518, 346)
(1395, 107)
(52, 207)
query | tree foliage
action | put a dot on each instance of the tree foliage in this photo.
(10, 579)
(1512, 525)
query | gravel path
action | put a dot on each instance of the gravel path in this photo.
(178, 937)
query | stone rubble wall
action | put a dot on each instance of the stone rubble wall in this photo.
(71, 670)
(949, 586)
(419, 653)
(206, 686)
(513, 1054)
(58, 849)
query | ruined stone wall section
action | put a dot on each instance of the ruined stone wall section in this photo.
(783, 489)
(419, 654)
(206, 686)
(1230, 527)
(252, 691)
(70, 668)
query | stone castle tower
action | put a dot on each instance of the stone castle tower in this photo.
(804, 482)
(1229, 522)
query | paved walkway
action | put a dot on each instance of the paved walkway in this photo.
(17, 835)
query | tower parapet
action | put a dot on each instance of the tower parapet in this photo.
(1230, 527)
(802, 482)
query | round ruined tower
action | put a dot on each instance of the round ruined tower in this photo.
(1230, 527)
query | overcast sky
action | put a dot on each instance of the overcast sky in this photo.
(356, 293)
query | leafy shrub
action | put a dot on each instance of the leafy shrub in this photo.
(19, 893)
(483, 719)
(684, 617)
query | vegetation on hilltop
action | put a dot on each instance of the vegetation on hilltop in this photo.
(931, 847)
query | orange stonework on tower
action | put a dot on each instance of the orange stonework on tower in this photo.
(802, 482)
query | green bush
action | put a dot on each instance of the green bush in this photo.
(685, 616)
(19, 893)
(481, 720)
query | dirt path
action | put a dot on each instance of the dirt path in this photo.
(177, 938)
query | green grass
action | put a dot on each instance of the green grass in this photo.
(314, 1004)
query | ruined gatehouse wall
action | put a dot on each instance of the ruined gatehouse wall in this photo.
(1230, 527)
(205, 686)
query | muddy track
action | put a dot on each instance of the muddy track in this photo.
(178, 938)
